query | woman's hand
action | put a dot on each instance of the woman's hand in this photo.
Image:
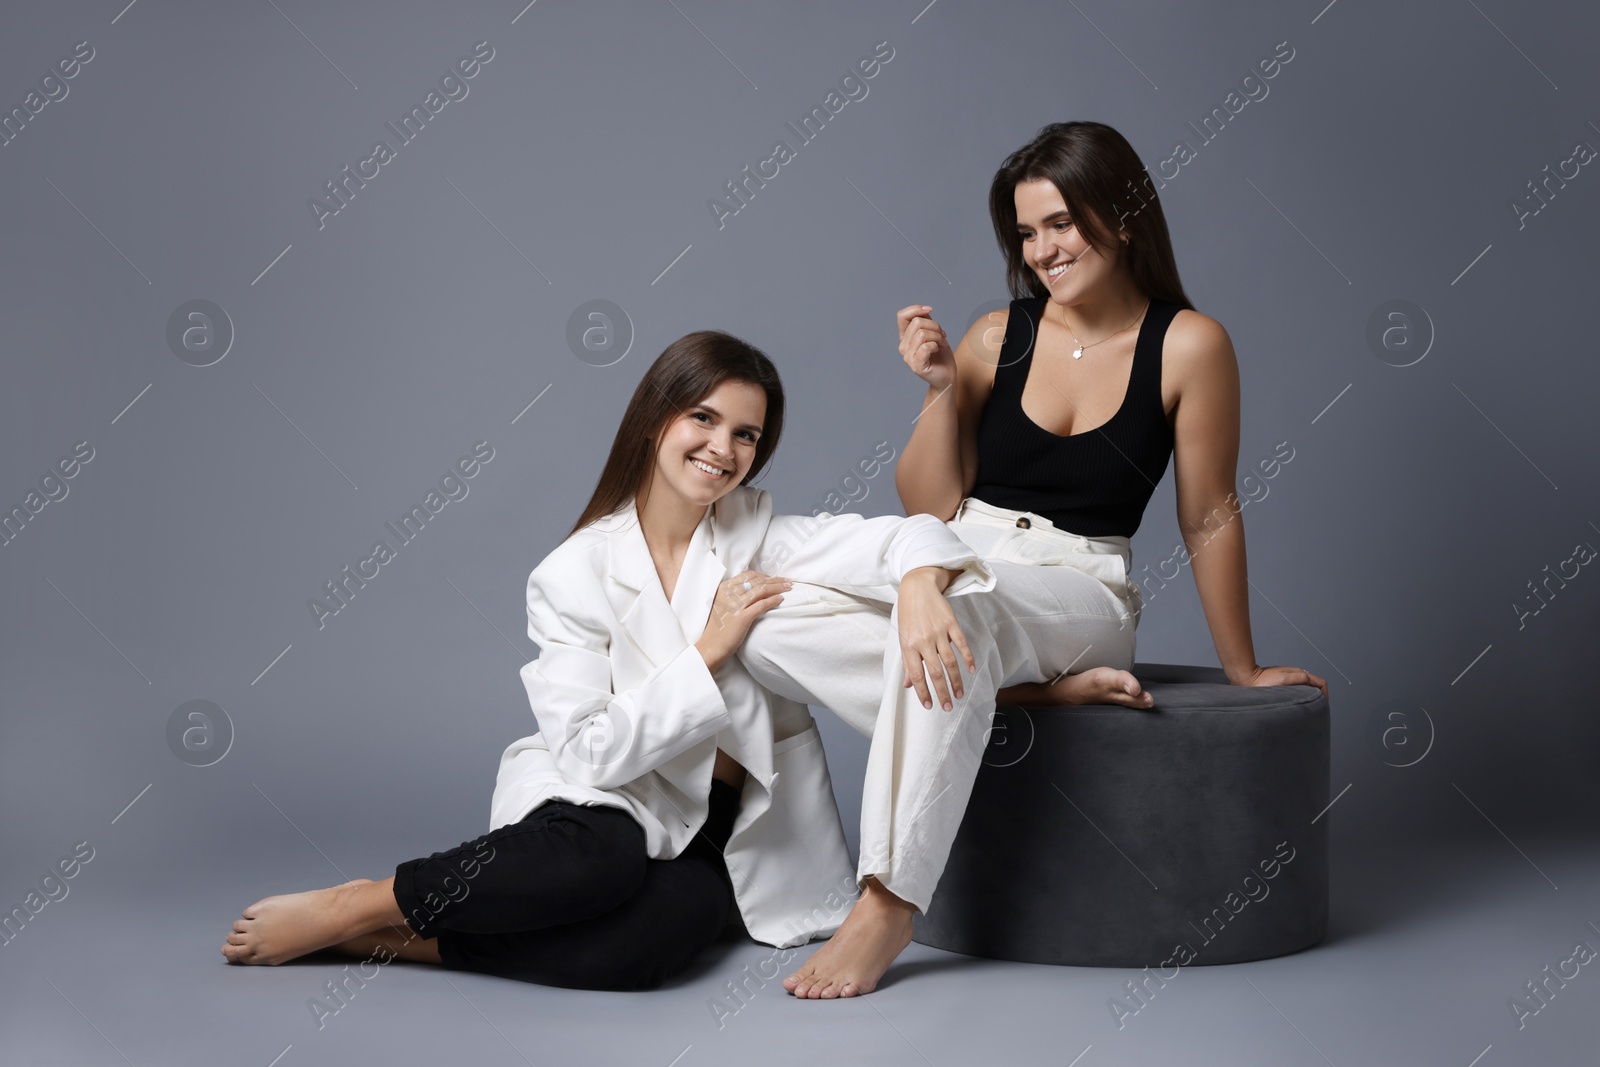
(735, 610)
(1284, 676)
(924, 346)
(930, 636)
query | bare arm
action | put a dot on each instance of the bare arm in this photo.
(1206, 453)
(940, 462)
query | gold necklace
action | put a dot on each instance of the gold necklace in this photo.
(1077, 353)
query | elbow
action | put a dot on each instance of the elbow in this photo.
(918, 500)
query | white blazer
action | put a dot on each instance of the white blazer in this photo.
(630, 716)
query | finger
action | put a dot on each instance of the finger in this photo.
(947, 656)
(936, 669)
(764, 605)
(959, 639)
(918, 676)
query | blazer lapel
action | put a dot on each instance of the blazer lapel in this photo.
(662, 628)
(698, 579)
(636, 594)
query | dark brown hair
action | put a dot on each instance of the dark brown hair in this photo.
(688, 370)
(1103, 183)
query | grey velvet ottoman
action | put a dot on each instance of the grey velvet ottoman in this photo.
(1106, 836)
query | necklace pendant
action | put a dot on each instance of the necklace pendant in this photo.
(1077, 353)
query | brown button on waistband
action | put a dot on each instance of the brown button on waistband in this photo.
(1023, 522)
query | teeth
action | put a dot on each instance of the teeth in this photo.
(1058, 270)
(715, 471)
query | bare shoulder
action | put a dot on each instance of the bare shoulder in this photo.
(978, 353)
(1198, 348)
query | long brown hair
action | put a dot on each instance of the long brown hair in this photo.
(682, 376)
(1102, 181)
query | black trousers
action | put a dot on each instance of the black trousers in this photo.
(569, 897)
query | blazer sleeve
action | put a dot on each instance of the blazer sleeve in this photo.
(868, 557)
(599, 737)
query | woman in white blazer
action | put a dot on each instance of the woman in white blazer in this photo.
(665, 789)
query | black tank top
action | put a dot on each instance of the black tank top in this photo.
(1095, 483)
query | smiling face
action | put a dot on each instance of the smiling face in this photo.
(1055, 248)
(707, 449)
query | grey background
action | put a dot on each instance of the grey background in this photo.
(433, 309)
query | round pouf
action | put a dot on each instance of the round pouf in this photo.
(1105, 836)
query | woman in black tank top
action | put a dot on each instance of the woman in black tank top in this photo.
(1062, 420)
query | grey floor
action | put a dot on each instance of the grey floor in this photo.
(1428, 943)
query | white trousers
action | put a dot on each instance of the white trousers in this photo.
(1061, 604)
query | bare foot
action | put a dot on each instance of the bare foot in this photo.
(389, 943)
(1103, 685)
(1097, 685)
(877, 930)
(279, 928)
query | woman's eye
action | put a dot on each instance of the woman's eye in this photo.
(748, 436)
(700, 415)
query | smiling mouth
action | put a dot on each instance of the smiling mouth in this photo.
(1059, 269)
(708, 469)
